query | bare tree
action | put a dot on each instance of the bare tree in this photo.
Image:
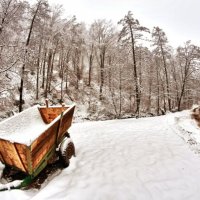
(10, 13)
(38, 6)
(160, 41)
(187, 58)
(131, 32)
(102, 33)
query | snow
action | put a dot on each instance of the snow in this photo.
(25, 127)
(10, 185)
(126, 159)
(1, 169)
(187, 129)
(64, 145)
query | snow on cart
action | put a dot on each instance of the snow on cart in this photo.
(31, 138)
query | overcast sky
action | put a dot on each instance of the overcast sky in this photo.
(180, 19)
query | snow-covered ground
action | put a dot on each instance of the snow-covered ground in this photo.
(143, 159)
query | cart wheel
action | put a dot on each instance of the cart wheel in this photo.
(67, 150)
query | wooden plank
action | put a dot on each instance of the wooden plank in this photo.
(50, 113)
(43, 144)
(1, 153)
(21, 156)
(50, 131)
(6, 152)
(66, 122)
(42, 151)
(46, 140)
(1, 158)
(59, 129)
(10, 155)
(42, 164)
(22, 149)
(29, 160)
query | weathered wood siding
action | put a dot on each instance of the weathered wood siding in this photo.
(49, 114)
(43, 144)
(28, 159)
(14, 154)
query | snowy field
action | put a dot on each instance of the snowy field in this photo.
(144, 159)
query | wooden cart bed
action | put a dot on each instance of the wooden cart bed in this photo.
(30, 138)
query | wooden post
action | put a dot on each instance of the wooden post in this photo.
(63, 107)
(47, 103)
(59, 128)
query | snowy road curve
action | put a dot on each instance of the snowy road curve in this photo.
(124, 160)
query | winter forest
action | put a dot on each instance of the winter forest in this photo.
(110, 70)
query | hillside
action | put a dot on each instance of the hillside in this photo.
(127, 159)
(112, 68)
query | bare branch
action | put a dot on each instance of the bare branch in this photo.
(4, 70)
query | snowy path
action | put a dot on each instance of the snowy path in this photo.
(124, 159)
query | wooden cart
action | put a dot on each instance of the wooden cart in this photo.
(29, 139)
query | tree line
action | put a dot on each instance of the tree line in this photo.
(111, 69)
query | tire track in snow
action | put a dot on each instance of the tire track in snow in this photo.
(125, 160)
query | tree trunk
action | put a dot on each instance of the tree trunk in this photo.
(182, 93)
(111, 91)
(102, 63)
(61, 58)
(67, 71)
(90, 66)
(137, 111)
(38, 70)
(44, 69)
(25, 55)
(183, 84)
(176, 85)
(166, 74)
(51, 70)
(21, 89)
(158, 89)
(48, 72)
(120, 91)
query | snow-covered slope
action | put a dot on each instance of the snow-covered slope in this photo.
(186, 128)
(141, 159)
